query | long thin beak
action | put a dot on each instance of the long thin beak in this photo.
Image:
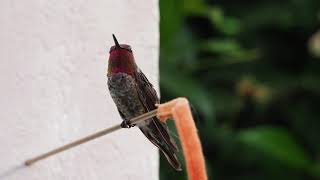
(116, 41)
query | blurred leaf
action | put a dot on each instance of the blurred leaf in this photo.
(230, 48)
(231, 26)
(277, 143)
(194, 7)
(227, 25)
(216, 15)
(181, 85)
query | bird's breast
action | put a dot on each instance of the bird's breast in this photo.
(124, 93)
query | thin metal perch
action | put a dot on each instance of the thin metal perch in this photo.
(135, 120)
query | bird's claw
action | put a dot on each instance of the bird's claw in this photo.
(127, 124)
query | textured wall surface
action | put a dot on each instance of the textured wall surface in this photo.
(53, 60)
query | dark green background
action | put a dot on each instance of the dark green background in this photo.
(251, 70)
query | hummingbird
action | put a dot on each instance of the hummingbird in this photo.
(134, 95)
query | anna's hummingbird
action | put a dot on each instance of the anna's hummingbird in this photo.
(134, 95)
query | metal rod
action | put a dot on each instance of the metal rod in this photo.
(65, 147)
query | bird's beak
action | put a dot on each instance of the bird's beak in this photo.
(116, 41)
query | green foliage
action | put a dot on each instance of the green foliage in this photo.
(251, 71)
(278, 144)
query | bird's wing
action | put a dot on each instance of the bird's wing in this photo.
(149, 98)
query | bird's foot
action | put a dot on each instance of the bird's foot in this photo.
(127, 124)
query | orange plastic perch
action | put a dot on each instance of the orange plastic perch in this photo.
(179, 109)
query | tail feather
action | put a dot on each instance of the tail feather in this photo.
(159, 136)
(173, 160)
(163, 130)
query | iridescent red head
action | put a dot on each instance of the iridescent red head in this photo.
(121, 59)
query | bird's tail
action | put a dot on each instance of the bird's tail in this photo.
(158, 134)
(172, 159)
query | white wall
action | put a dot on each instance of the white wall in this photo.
(53, 60)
